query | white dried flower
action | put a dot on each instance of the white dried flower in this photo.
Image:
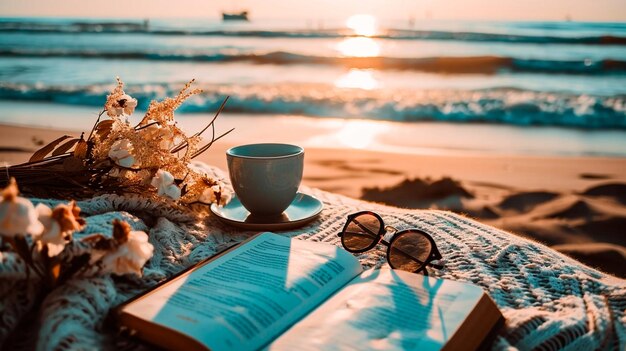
(208, 195)
(52, 235)
(216, 193)
(18, 216)
(120, 153)
(59, 224)
(131, 254)
(164, 182)
(123, 105)
(225, 196)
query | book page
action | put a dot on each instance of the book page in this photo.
(385, 310)
(247, 297)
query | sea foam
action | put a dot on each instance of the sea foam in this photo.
(502, 106)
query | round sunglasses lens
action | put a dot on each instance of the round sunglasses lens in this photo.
(409, 251)
(361, 232)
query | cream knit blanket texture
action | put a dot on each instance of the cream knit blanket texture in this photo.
(550, 301)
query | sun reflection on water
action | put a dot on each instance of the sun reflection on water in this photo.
(358, 78)
(358, 47)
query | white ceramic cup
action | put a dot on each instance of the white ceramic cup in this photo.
(265, 177)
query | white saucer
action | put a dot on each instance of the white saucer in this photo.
(302, 210)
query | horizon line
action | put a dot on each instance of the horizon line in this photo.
(217, 17)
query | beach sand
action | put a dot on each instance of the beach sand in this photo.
(576, 205)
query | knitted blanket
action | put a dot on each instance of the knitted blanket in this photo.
(549, 301)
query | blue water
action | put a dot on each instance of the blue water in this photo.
(519, 73)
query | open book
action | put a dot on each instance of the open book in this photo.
(284, 294)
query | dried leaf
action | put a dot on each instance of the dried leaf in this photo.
(107, 123)
(73, 164)
(41, 153)
(104, 128)
(81, 149)
(64, 147)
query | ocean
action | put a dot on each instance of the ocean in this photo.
(566, 75)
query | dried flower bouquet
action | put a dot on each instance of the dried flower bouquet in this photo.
(42, 238)
(151, 158)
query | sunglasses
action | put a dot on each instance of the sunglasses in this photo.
(408, 250)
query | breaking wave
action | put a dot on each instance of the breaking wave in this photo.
(503, 106)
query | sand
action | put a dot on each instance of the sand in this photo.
(576, 205)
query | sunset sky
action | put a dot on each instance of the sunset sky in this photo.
(588, 10)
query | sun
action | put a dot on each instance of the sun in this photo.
(365, 25)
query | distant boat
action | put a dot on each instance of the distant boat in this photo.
(235, 16)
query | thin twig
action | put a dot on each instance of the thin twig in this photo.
(207, 146)
(214, 117)
(45, 160)
(96, 124)
(212, 123)
(146, 126)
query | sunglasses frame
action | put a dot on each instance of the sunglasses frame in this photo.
(433, 255)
